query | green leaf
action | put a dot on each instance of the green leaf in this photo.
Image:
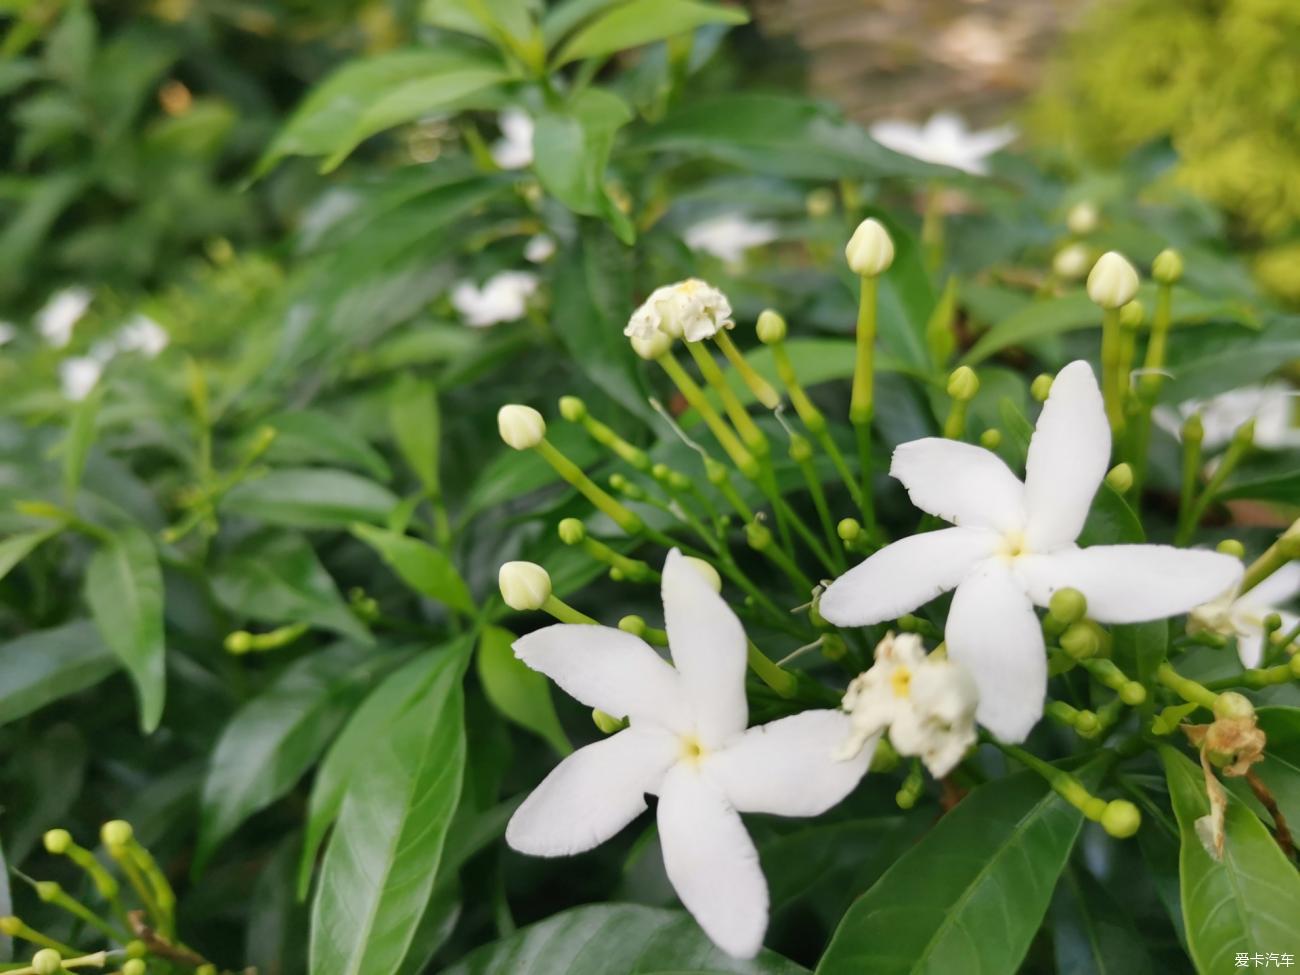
(383, 859)
(1246, 903)
(415, 421)
(70, 49)
(47, 665)
(124, 588)
(1111, 521)
(424, 568)
(311, 497)
(1282, 487)
(560, 18)
(626, 938)
(1224, 358)
(308, 435)
(81, 435)
(481, 18)
(15, 548)
(271, 741)
(516, 690)
(640, 22)
(515, 472)
(274, 577)
(1140, 648)
(1280, 770)
(1093, 933)
(571, 147)
(970, 895)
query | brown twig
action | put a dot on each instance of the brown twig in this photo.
(160, 946)
(1280, 830)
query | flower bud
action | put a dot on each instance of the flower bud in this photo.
(706, 571)
(1082, 218)
(135, 966)
(607, 723)
(1086, 723)
(1071, 262)
(1068, 605)
(1113, 282)
(1080, 641)
(10, 925)
(1244, 435)
(47, 961)
(632, 624)
(963, 384)
(572, 408)
(238, 642)
(524, 585)
(572, 531)
(771, 327)
(1041, 387)
(870, 251)
(801, 451)
(991, 438)
(1133, 694)
(1120, 478)
(1094, 808)
(136, 949)
(758, 536)
(1230, 546)
(1230, 704)
(47, 890)
(116, 833)
(1193, 429)
(57, 841)
(653, 346)
(521, 427)
(1167, 268)
(1133, 314)
(820, 202)
(1121, 819)
(848, 529)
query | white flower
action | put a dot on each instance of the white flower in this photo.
(502, 298)
(690, 309)
(1243, 615)
(142, 334)
(1273, 407)
(539, 248)
(687, 744)
(78, 376)
(729, 235)
(1113, 281)
(514, 150)
(1071, 262)
(8, 332)
(870, 251)
(926, 703)
(1012, 547)
(59, 316)
(944, 140)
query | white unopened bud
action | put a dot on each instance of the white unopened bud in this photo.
(708, 572)
(652, 347)
(870, 251)
(1082, 219)
(1071, 262)
(522, 427)
(524, 585)
(1113, 281)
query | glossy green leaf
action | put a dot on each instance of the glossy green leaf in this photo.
(1224, 358)
(1140, 648)
(1111, 521)
(1246, 903)
(274, 577)
(416, 424)
(15, 548)
(424, 568)
(124, 588)
(384, 856)
(271, 741)
(1280, 770)
(513, 473)
(571, 146)
(970, 895)
(1282, 487)
(81, 435)
(1092, 932)
(516, 690)
(562, 17)
(311, 497)
(308, 436)
(640, 22)
(482, 18)
(626, 938)
(42, 667)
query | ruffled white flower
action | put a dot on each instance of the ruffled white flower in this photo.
(1273, 406)
(687, 743)
(59, 316)
(1242, 616)
(690, 309)
(927, 704)
(78, 376)
(729, 235)
(1012, 547)
(514, 150)
(142, 334)
(502, 298)
(944, 140)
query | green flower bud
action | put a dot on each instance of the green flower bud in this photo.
(870, 251)
(136, 949)
(1094, 808)
(572, 531)
(10, 925)
(1121, 819)
(1112, 282)
(771, 327)
(1133, 694)
(116, 833)
(715, 471)
(1041, 387)
(1193, 429)
(572, 408)
(632, 624)
(524, 585)
(1080, 640)
(1230, 546)
(1167, 268)
(801, 450)
(1230, 704)
(58, 841)
(1082, 218)
(758, 536)
(47, 961)
(607, 723)
(848, 529)
(1068, 605)
(1120, 478)
(134, 966)
(1132, 315)
(239, 642)
(521, 427)
(208, 969)
(1086, 723)
(991, 438)
(1245, 434)
(48, 890)
(1294, 665)
(963, 384)
(833, 648)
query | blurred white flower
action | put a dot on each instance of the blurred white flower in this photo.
(1243, 615)
(1273, 407)
(1013, 546)
(142, 334)
(687, 743)
(502, 298)
(78, 376)
(60, 314)
(539, 248)
(729, 235)
(944, 140)
(690, 309)
(1072, 262)
(514, 150)
(927, 704)
(7, 332)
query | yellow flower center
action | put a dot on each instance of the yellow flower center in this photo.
(901, 682)
(1013, 545)
(692, 750)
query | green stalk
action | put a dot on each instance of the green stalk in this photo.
(574, 474)
(725, 436)
(861, 404)
(760, 387)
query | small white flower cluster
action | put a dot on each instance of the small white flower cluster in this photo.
(926, 703)
(501, 298)
(693, 310)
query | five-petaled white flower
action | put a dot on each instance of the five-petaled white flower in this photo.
(944, 140)
(502, 298)
(687, 743)
(927, 703)
(728, 236)
(1275, 408)
(1243, 615)
(690, 309)
(1012, 547)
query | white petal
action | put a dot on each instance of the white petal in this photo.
(708, 646)
(1250, 646)
(593, 793)
(1277, 589)
(1131, 583)
(960, 483)
(787, 767)
(992, 632)
(905, 574)
(608, 669)
(711, 861)
(1068, 456)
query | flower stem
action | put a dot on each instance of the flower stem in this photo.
(782, 682)
(1110, 366)
(760, 387)
(1282, 551)
(861, 404)
(813, 419)
(749, 432)
(574, 474)
(801, 452)
(1227, 464)
(725, 436)
(562, 611)
(1189, 690)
